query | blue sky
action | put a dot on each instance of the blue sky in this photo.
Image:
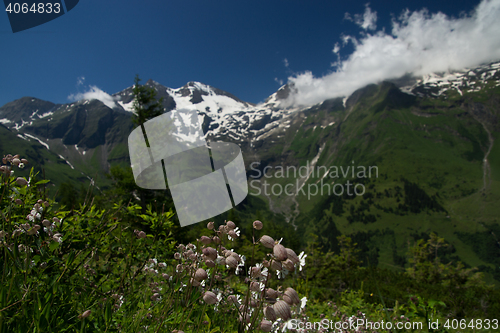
(238, 46)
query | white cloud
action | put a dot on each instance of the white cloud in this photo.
(366, 21)
(95, 93)
(285, 62)
(278, 81)
(420, 43)
(80, 81)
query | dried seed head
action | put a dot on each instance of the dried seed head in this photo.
(282, 310)
(230, 225)
(210, 226)
(257, 225)
(266, 325)
(288, 265)
(279, 252)
(292, 296)
(267, 241)
(269, 313)
(210, 298)
(210, 253)
(200, 274)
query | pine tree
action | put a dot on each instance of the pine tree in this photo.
(146, 105)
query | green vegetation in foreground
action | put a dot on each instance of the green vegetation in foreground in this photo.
(111, 265)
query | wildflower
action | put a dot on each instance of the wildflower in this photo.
(271, 293)
(256, 286)
(288, 265)
(177, 255)
(162, 265)
(21, 181)
(257, 225)
(254, 272)
(23, 160)
(210, 225)
(292, 256)
(282, 310)
(155, 297)
(282, 273)
(266, 325)
(267, 241)
(233, 234)
(85, 314)
(303, 302)
(2, 234)
(16, 161)
(279, 252)
(141, 234)
(230, 225)
(232, 262)
(21, 165)
(234, 299)
(291, 297)
(205, 240)
(210, 253)
(200, 274)
(210, 298)
(302, 258)
(46, 223)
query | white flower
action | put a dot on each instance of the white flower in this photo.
(302, 258)
(21, 165)
(38, 216)
(237, 231)
(282, 273)
(303, 302)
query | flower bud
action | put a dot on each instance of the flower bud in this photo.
(194, 282)
(25, 161)
(216, 240)
(210, 225)
(46, 223)
(266, 325)
(257, 225)
(177, 255)
(210, 298)
(279, 252)
(209, 263)
(18, 201)
(21, 181)
(16, 161)
(210, 253)
(267, 241)
(292, 256)
(282, 310)
(85, 314)
(269, 313)
(200, 274)
(141, 234)
(230, 225)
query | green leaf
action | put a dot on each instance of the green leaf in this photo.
(53, 246)
(45, 181)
